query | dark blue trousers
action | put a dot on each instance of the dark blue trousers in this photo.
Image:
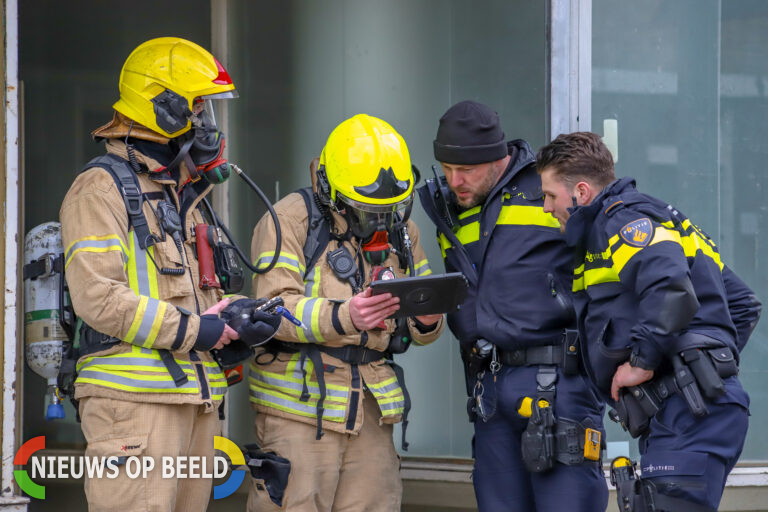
(690, 458)
(502, 483)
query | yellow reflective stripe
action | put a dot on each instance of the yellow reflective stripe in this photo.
(133, 280)
(444, 244)
(157, 322)
(422, 268)
(470, 212)
(137, 318)
(611, 241)
(284, 260)
(316, 286)
(515, 214)
(138, 389)
(469, 233)
(98, 244)
(111, 237)
(151, 274)
(275, 382)
(286, 403)
(298, 315)
(134, 367)
(598, 276)
(622, 256)
(316, 320)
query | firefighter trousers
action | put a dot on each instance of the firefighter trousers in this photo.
(116, 428)
(339, 472)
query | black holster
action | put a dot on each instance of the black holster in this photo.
(538, 443)
(270, 468)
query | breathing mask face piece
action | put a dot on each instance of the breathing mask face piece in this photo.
(202, 147)
(366, 219)
(208, 144)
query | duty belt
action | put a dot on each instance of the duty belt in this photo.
(563, 352)
(547, 354)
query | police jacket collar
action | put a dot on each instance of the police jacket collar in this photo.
(582, 217)
(521, 156)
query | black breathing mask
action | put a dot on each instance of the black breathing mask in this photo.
(202, 147)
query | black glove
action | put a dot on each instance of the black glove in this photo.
(254, 327)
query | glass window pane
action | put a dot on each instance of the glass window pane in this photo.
(687, 81)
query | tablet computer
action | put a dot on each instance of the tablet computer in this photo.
(426, 295)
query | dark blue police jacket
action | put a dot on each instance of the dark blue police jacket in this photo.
(648, 283)
(515, 259)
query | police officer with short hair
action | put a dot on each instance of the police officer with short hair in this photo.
(664, 321)
(532, 407)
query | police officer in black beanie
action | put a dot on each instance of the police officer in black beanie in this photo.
(538, 424)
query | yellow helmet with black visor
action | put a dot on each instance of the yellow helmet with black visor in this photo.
(366, 175)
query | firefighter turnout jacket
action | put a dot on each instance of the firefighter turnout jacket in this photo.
(515, 259)
(648, 284)
(117, 290)
(321, 301)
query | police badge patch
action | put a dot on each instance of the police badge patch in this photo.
(637, 233)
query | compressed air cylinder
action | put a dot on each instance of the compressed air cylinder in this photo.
(43, 334)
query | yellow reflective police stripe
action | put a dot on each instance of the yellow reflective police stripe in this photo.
(578, 278)
(470, 212)
(442, 240)
(469, 233)
(520, 215)
(622, 256)
(100, 244)
(599, 276)
(284, 260)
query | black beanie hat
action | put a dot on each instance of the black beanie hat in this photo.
(469, 133)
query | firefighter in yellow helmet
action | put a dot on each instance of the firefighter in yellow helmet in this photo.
(326, 392)
(146, 381)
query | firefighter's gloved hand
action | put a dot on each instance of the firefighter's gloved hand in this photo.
(254, 327)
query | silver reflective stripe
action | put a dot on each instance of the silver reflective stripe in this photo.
(383, 390)
(307, 320)
(127, 382)
(297, 387)
(287, 260)
(296, 406)
(142, 272)
(98, 244)
(312, 281)
(400, 404)
(423, 270)
(146, 321)
(134, 361)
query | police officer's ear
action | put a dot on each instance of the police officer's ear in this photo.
(583, 193)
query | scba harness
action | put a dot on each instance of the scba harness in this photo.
(319, 236)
